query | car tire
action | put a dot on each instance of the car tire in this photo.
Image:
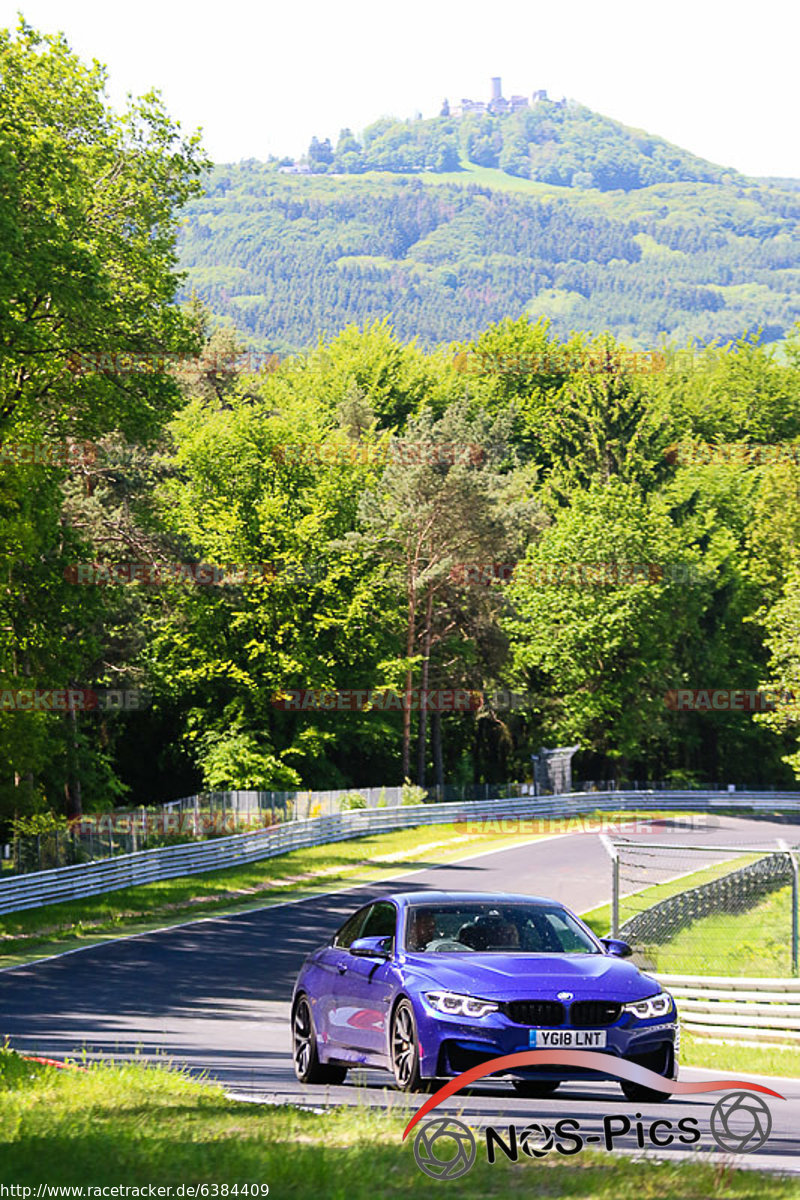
(642, 1095)
(536, 1089)
(404, 1050)
(307, 1066)
(665, 1065)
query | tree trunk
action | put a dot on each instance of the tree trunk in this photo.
(476, 751)
(436, 738)
(423, 692)
(410, 640)
(73, 802)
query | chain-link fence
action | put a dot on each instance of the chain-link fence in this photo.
(706, 910)
(93, 838)
(215, 815)
(105, 835)
(301, 805)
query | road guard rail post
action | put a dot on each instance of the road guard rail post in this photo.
(784, 845)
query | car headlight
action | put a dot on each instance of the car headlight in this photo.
(458, 1005)
(653, 1006)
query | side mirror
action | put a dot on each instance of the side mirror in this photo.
(617, 947)
(372, 947)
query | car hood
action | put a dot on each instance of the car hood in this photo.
(532, 976)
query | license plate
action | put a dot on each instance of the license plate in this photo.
(567, 1039)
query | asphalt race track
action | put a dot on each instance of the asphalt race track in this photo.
(214, 995)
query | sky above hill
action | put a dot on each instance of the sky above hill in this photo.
(717, 78)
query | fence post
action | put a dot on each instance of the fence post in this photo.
(611, 850)
(795, 889)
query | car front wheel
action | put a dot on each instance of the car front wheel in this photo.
(307, 1066)
(643, 1095)
(663, 1063)
(404, 1046)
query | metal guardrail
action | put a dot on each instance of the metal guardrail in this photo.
(737, 1010)
(148, 866)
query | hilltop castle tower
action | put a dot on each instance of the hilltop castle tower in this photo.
(498, 106)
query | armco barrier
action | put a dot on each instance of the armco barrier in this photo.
(147, 866)
(737, 1010)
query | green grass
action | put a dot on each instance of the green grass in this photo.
(750, 1060)
(599, 919)
(495, 178)
(138, 1125)
(756, 942)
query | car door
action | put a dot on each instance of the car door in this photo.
(367, 985)
(363, 989)
(329, 968)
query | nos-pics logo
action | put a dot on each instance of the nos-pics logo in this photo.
(446, 1148)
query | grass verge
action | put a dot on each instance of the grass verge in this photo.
(756, 942)
(139, 1125)
(750, 1060)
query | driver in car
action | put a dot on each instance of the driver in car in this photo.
(422, 930)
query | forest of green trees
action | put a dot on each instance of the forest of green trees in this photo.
(287, 259)
(520, 510)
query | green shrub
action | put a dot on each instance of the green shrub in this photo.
(354, 800)
(412, 793)
(38, 823)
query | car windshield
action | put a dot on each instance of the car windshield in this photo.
(496, 929)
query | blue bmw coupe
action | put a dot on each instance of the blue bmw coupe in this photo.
(429, 984)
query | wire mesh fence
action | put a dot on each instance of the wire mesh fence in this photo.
(707, 910)
(216, 815)
(220, 814)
